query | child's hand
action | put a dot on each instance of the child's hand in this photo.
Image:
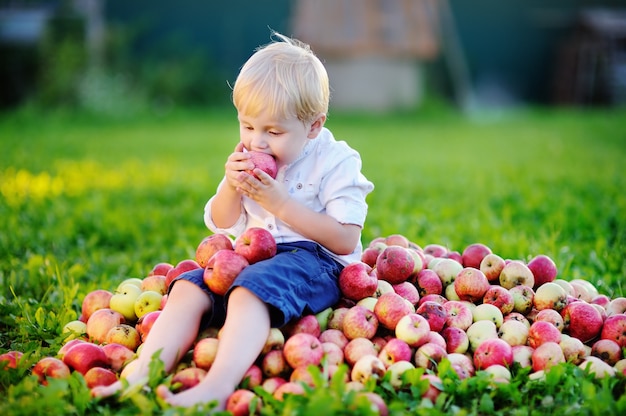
(237, 162)
(267, 192)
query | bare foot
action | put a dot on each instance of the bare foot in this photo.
(196, 395)
(110, 390)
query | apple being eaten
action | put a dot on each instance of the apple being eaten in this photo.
(263, 161)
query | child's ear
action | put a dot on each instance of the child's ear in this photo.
(316, 125)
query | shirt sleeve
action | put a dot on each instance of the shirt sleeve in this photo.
(344, 189)
(235, 230)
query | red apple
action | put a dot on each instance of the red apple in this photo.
(493, 351)
(288, 388)
(462, 364)
(10, 359)
(187, 378)
(274, 364)
(357, 348)
(99, 376)
(547, 355)
(390, 307)
(413, 329)
(429, 355)
(303, 349)
(492, 265)
(552, 316)
(118, 355)
(335, 336)
(377, 403)
(435, 314)
(333, 354)
(50, 367)
(428, 282)
(100, 322)
(360, 322)
(614, 328)
(541, 332)
(607, 350)
(435, 250)
(145, 323)
(85, 355)
(222, 269)
(395, 264)
(474, 254)
(256, 244)
(155, 283)
(263, 161)
(252, 377)
(397, 240)
(581, 320)
(239, 402)
(270, 384)
(543, 268)
(180, 268)
(458, 314)
(306, 323)
(471, 284)
(204, 352)
(161, 268)
(395, 350)
(210, 245)
(94, 300)
(356, 281)
(408, 291)
(456, 340)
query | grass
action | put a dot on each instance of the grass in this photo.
(86, 202)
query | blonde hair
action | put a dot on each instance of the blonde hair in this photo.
(285, 78)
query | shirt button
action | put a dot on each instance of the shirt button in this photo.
(299, 186)
(270, 226)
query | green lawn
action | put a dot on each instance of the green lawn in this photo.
(86, 202)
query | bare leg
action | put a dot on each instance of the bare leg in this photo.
(244, 333)
(173, 333)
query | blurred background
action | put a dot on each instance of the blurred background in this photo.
(124, 57)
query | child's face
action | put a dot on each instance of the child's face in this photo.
(282, 138)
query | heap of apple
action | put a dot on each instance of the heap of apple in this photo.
(403, 307)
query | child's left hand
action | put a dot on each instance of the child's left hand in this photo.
(270, 194)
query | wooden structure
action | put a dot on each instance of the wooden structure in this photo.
(372, 48)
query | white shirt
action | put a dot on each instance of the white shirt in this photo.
(327, 178)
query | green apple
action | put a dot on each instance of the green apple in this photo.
(132, 280)
(74, 329)
(147, 301)
(123, 301)
(322, 318)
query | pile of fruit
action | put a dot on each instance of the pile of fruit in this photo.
(403, 307)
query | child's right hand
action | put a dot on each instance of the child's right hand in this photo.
(237, 161)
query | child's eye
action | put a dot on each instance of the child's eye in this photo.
(274, 133)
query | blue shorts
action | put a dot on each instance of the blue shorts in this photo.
(300, 279)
